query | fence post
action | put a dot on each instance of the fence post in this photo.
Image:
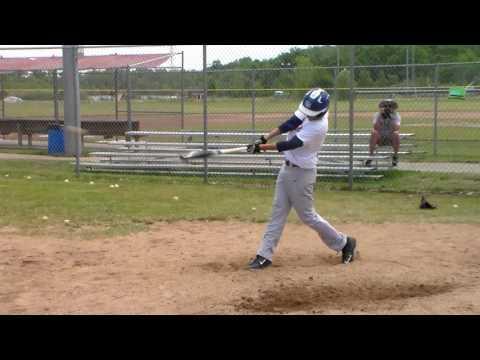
(55, 96)
(413, 71)
(129, 100)
(205, 122)
(335, 94)
(115, 85)
(2, 94)
(182, 93)
(73, 123)
(78, 142)
(407, 67)
(335, 91)
(435, 112)
(351, 100)
(253, 100)
(129, 103)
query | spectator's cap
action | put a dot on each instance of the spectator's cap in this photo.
(389, 104)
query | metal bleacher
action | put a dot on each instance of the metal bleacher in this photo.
(159, 152)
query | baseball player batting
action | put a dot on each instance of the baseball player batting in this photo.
(307, 130)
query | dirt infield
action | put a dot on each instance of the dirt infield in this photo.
(199, 268)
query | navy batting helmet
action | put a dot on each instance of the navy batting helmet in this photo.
(315, 103)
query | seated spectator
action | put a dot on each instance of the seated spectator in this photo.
(386, 129)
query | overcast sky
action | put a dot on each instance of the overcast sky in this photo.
(193, 53)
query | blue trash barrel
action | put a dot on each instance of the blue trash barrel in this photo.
(56, 140)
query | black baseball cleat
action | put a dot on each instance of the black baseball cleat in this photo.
(394, 160)
(259, 263)
(348, 251)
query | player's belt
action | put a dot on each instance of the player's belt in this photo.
(291, 164)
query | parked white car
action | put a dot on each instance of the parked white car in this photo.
(101, 98)
(13, 100)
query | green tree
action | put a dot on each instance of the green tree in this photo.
(343, 84)
(382, 80)
(304, 74)
(285, 79)
(364, 78)
(323, 78)
(216, 65)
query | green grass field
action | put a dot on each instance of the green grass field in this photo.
(239, 105)
(140, 200)
(458, 121)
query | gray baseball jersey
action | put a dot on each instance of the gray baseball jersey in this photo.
(387, 123)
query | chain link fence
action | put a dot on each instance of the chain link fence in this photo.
(120, 89)
(442, 115)
(142, 106)
(31, 97)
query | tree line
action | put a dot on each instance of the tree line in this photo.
(295, 69)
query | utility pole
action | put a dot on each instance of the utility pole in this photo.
(351, 114)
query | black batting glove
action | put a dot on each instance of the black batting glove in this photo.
(260, 140)
(253, 148)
